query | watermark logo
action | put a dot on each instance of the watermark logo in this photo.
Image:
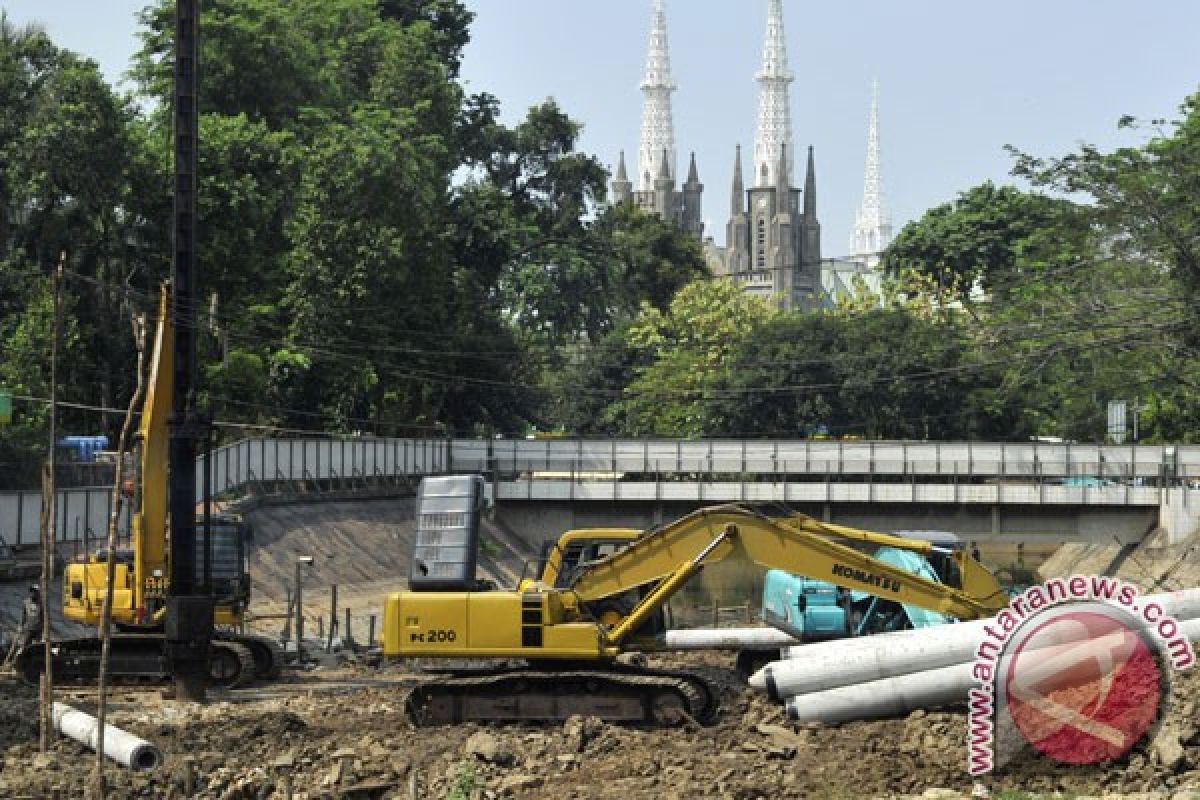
(1078, 669)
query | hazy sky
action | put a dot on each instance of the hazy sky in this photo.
(959, 79)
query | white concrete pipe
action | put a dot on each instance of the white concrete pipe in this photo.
(121, 746)
(902, 694)
(725, 639)
(845, 662)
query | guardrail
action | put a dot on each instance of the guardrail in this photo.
(820, 492)
(978, 461)
(312, 465)
(624, 468)
(318, 462)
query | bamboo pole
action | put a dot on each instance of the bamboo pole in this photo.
(333, 618)
(49, 520)
(114, 516)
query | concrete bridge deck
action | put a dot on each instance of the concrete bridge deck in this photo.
(1079, 492)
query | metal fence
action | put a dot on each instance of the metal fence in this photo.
(1034, 461)
(81, 516)
(316, 464)
(307, 464)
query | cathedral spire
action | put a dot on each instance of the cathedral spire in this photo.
(774, 107)
(737, 203)
(621, 185)
(658, 126)
(810, 189)
(873, 224)
(783, 183)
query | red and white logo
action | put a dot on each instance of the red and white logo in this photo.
(1078, 669)
(1082, 686)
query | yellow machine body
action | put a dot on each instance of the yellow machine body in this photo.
(497, 624)
(140, 586)
(541, 621)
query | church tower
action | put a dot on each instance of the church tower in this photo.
(657, 176)
(774, 104)
(873, 224)
(774, 239)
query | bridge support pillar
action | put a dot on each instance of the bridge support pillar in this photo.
(1179, 514)
(996, 526)
(827, 512)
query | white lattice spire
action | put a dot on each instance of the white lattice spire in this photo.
(873, 224)
(658, 125)
(774, 106)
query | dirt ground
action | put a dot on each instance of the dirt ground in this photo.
(342, 733)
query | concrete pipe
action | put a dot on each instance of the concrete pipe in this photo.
(121, 746)
(902, 694)
(725, 639)
(845, 662)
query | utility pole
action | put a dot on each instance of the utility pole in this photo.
(189, 614)
(49, 520)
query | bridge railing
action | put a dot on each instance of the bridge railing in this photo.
(81, 517)
(321, 461)
(1037, 461)
(318, 463)
(314, 464)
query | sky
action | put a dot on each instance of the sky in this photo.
(959, 80)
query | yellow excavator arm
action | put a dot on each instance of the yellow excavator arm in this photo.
(596, 616)
(670, 556)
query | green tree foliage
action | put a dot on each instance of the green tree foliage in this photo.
(71, 189)
(684, 352)
(991, 237)
(881, 374)
(1146, 198)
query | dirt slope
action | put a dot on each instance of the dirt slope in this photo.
(1148, 565)
(362, 546)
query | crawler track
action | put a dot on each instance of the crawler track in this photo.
(620, 694)
(139, 658)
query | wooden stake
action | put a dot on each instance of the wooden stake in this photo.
(49, 519)
(333, 620)
(114, 516)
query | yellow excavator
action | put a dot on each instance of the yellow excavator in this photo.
(141, 584)
(569, 626)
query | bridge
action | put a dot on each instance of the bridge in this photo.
(1068, 492)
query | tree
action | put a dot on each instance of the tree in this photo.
(990, 236)
(686, 350)
(71, 188)
(879, 374)
(1145, 199)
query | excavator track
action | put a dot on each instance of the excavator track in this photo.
(621, 694)
(133, 659)
(231, 664)
(268, 655)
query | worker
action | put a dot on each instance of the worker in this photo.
(31, 618)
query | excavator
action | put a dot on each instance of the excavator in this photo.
(140, 587)
(561, 643)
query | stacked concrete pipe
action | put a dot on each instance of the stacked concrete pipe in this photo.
(895, 673)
